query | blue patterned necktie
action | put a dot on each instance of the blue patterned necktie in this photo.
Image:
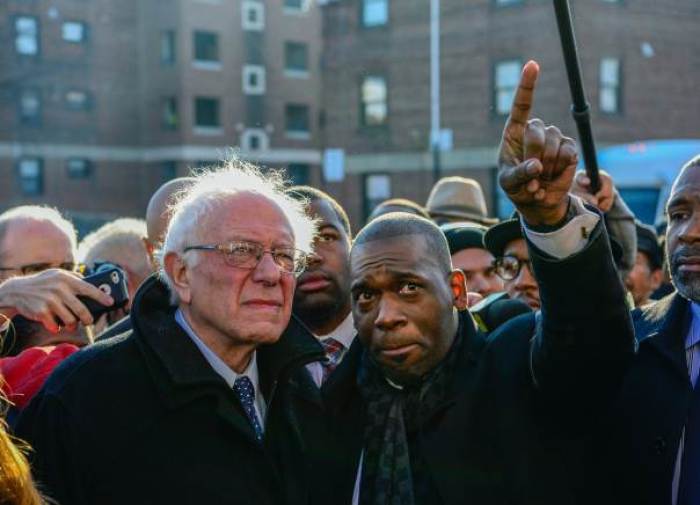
(246, 394)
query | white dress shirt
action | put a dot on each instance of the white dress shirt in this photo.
(692, 357)
(225, 371)
(345, 334)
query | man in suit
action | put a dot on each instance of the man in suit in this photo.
(424, 412)
(653, 439)
(192, 405)
(322, 295)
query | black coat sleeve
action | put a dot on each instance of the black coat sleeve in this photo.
(57, 455)
(584, 336)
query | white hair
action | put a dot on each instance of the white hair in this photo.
(213, 186)
(40, 213)
(119, 241)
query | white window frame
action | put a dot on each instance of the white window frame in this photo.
(206, 64)
(259, 72)
(83, 164)
(504, 87)
(26, 34)
(259, 7)
(610, 84)
(25, 94)
(363, 12)
(303, 8)
(367, 102)
(67, 36)
(71, 105)
(293, 72)
(247, 136)
(31, 164)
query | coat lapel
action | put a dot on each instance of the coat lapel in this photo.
(665, 325)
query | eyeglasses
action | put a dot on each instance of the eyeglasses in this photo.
(35, 268)
(243, 254)
(508, 267)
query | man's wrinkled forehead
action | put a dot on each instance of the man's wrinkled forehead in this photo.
(403, 250)
(686, 185)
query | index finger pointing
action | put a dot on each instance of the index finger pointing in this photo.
(524, 94)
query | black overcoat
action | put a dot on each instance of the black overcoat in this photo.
(143, 419)
(524, 405)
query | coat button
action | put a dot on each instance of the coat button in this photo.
(659, 445)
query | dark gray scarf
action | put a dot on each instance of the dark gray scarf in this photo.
(391, 475)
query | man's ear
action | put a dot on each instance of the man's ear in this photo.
(177, 271)
(657, 277)
(458, 286)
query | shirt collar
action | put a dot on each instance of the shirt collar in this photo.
(693, 336)
(344, 333)
(220, 367)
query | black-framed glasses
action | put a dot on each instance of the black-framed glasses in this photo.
(35, 268)
(508, 267)
(244, 254)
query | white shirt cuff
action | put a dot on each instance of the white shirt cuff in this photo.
(570, 238)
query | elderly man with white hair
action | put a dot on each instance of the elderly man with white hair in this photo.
(192, 406)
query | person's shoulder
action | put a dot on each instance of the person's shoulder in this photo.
(94, 366)
(518, 330)
(649, 318)
(121, 326)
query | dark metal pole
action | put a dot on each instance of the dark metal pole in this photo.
(580, 109)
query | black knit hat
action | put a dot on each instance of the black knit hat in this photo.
(464, 235)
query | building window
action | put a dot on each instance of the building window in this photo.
(77, 99)
(252, 15)
(254, 139)
(299, 173)
(78, 168)
(170, 119)
(74, 31)
(30, 106)
(296, 58)
(206, 49)
(294, 5)
(296, 120)
(375, 13)
(377, 189)
(26, 35)
(507, 77)
(167, 47)
(609, 94)
(206, 112)
(31, 176)
(253, 79)
(168, 171)
(374, 97)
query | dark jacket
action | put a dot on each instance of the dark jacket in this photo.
(642, 438)
(522, 407)
(142, 418)
(121, 326)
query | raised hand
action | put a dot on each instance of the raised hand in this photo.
(536, 162)
(604, 199)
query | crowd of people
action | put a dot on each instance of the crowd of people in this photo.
(269, 354)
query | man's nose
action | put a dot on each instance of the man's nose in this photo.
(525, 279)
(389, 315)
(267, 271)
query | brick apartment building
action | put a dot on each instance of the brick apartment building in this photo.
(102, 101)
(639, 61)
